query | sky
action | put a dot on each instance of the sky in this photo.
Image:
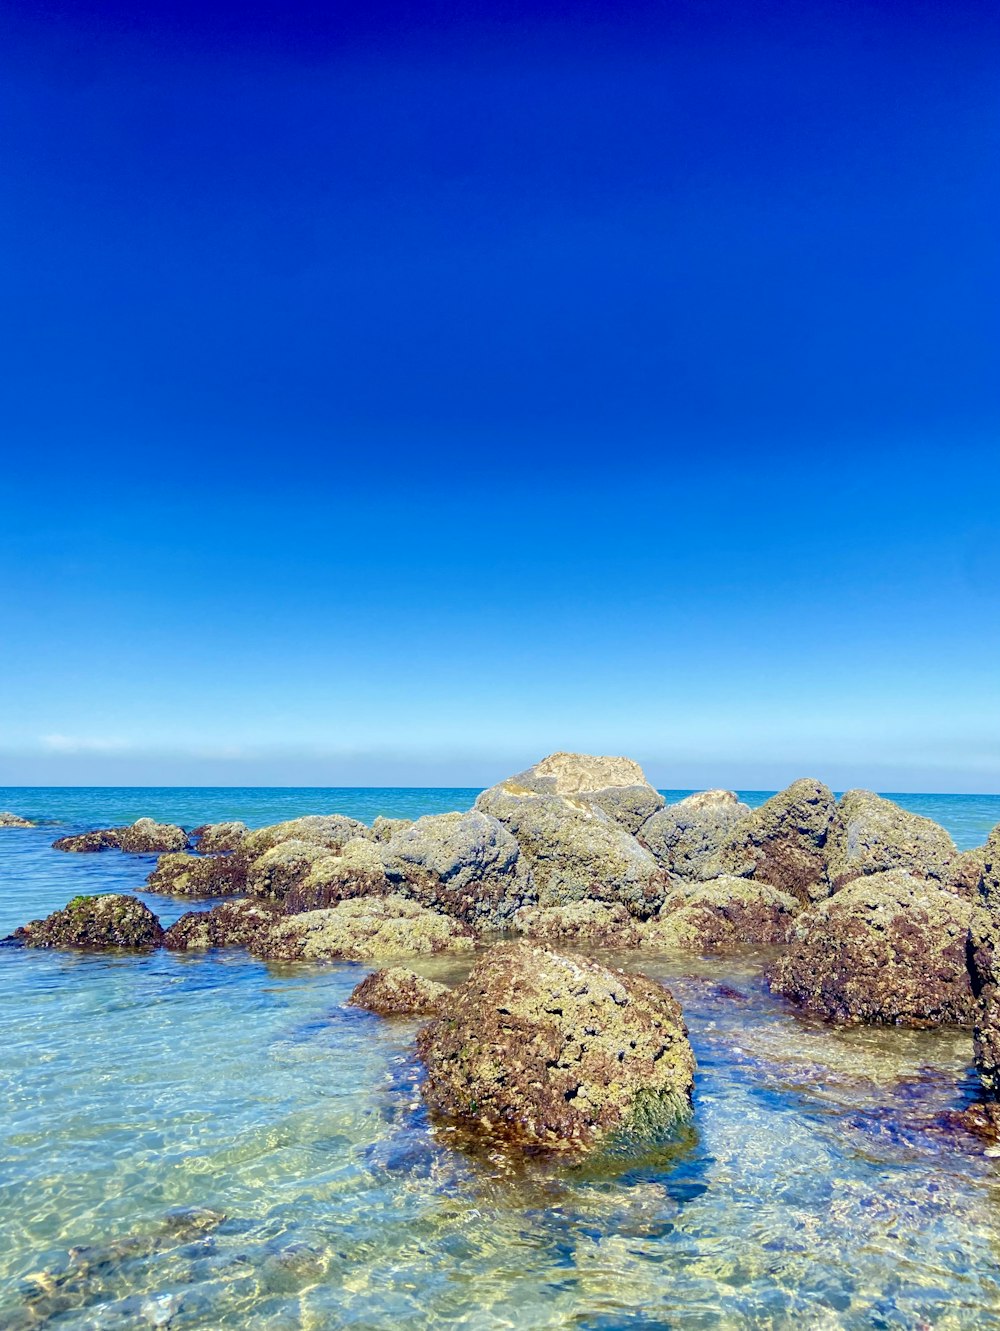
(394, 394)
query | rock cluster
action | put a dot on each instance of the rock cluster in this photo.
(870, 835)
(218, 838)
(361, 929)
(143, 837)
(183, 875)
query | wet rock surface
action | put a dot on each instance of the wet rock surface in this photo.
(183, 875)
(887, 949)
(96, 922)
(396, 991)
(687, 836)
(362, 929)
(143, 837)
(784, 842)
(869, 835)
(984, 968)
(723, 913)
(282, 867)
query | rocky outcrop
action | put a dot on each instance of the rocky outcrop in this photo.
(363, 929)
(583, 924)
(354, 871)
(384, 829)
(14, 820)
(144, 837)
(869, 835)
(722, 914)
(687, 836)
(575, 850)
(616, 785)
(219, 838)
(282, 867)
(332, 831)
(464, 864)
(184, 875)
(398, 992)
(888, 949)
(551, 1050)
(230, 924)
(984, 968)
(784, 842)
(113, 921)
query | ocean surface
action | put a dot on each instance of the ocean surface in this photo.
(213, 1142)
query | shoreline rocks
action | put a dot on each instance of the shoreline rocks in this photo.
(721, 914)
(143, 837)
(687, 836)
(181, 874)
(363, 929)
(398, 992)
(784, 842)
(219, 838)
(870, 835)
(115, 920)
(582, 924)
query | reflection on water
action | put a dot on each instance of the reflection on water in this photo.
(209, 1142)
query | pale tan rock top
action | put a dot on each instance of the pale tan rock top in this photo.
(574, 773)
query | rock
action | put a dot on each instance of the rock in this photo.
(784, 842)
(229, 924)
(869, 835)
(720, 914)
(464, 864)
(966, 873)
(583, 924)
(888, 949)
(551, 1050)
(384, 829)
(616, 785)
(989, 885)
(14, 820)
(354, 871)
(330, 830)
(362, 929)
(219, 838)
(397, 991)
(282, 867)
(183, 875)
(143, 837)
(984, 968)
(575, 850)
(96, 922)
(686, 836)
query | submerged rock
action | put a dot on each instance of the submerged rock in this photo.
(219, 838)
(464, 864)
(552, 1050)
(685, 837)
(784, 842)
(722, 913)
(116, 920)
(354, 871)
(182, 875)
(229, 924)
(143, 837)
(397, 991)
(331, 830)
(362, 929)
(888, 949)
(583, 924)
(869, 835)
(616, 785)
(14, 820)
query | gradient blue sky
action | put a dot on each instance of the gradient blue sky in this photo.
(394, 397)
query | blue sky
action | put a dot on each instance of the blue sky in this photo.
(397, 396)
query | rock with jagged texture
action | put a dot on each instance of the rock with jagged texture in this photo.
(398, 992)
(331, 831)
(219, 838)
(282, 867)
(721, 914)
(464, 864)
(583, 924)
(888, 949)
(8, 819)
(183, 875)
(143, 837)
(616, 785)
(363, 929)
(546, 1049)
(384, 829)
(96, 922)
(229, 924)
(783, 842)
(984, 967)
(686, 837)
(356, 870)
(869, 835)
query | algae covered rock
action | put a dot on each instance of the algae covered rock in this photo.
(331, 830)
(869, 835)
(219, 838)
(582, 924)
(282, 867)
(685, 837)
(183, 875)
(113, 921)
(398, 992)
(229, 924)
(616, 785)
(984, 968)
(14, 820)
(784, 842)
(888, 949)
(465, 864)
(384, 829)
(355, 870)
(362, 929)
(143, 837)
(720, 914)
(548, 1049)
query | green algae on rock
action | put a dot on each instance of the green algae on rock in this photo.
(363, 929)
(583, 923)
(398, 992)
(143, 837)
(888, 949)
(229, 924)
(722, 913)
(784, 842)
(869, 835)
(8, 819)
(280, 868)
(548, 1049)
(112, 921)
(183, 875)
(685, 837)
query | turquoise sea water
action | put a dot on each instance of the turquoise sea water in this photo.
(213, 1142)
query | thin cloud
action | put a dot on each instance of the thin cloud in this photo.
(81, 744)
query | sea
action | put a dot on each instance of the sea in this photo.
(216, 1143)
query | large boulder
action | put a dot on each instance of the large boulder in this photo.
(784, 842)
(685, 837)
(113, 921)
(363, 929)
(331, 830)
(398, 992)
(888, 949)
(143, 837)
(575, 850)
(14, 820)
(616, 785)
(583, 924)
(984, 968)
(552, 1050)
(464, 864)
(355, 870)
(229, 924)
(219, 838)
(869, 835)
(183, 875)
(721, 914)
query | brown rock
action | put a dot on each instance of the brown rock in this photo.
(230, 924)
(582, 924)
(184, 875)
(112, 921)
(784, 842)
(722, 914)
(396, 991)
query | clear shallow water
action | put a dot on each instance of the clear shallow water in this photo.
(232, 1147)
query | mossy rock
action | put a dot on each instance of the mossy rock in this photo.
(722, 914)
(331, 830)
(219, 838)
(143, 837)
(185, 875)
(685, 837)
(582, 924)
(354, 871)
(282, 867)
(96, 923)
(229, 924)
